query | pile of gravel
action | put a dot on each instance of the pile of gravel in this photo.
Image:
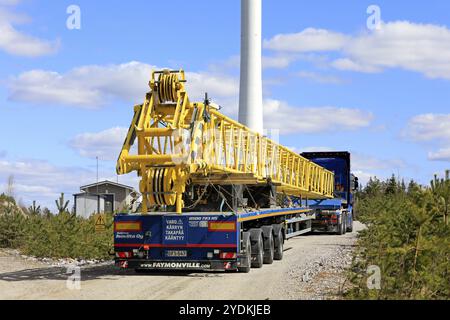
(64, 262)
(323, 277)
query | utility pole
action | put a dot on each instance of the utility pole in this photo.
(98, 196)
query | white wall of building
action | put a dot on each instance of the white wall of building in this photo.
(86, 205)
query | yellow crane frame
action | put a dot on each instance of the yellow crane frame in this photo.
(180, 142)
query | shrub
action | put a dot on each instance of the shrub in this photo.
(406, 238)
(12, 226)
(57, 236)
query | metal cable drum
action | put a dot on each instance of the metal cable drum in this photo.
(168, 87)
(160, 186)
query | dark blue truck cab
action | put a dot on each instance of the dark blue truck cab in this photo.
(335, 215)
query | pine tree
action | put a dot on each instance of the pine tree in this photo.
(391, 186)
(406, 239)
(33, 209)
(62, 207)
(441, 191)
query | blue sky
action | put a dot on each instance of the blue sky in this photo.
(329, 82)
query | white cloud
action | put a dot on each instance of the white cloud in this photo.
(8, 2)
(42, 181)
(362, 165)
(16, 42)
(423, 48)
(306, 41)
(320, 78)
(105, 144)
(277, 62)
(87, 86)
(428, 127)
(288, 119)
(217, 85)
(94, 86)
(432, 128)
(363, 162)
(350, 65)
(440, 155)
(363, 176)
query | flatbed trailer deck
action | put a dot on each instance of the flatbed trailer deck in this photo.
(206, 240)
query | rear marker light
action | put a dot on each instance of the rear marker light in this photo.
(221, 226)
(228, 255)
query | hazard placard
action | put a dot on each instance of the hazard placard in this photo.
(100, 222)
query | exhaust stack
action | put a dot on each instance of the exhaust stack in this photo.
(250, 94)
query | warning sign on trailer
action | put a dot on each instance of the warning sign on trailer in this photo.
(100, 222)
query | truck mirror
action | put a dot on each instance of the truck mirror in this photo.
(356, 183)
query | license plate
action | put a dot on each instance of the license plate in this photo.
(176, 253)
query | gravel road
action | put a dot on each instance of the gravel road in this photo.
(312, 268)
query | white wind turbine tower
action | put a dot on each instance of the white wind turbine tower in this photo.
(250, 94)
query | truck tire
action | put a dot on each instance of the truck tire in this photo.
(350, 227)
(341, 227)
(257, 245)
(278, 241)
(268, 244)
(345, 224)
(247, 260)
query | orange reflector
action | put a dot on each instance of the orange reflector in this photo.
(128, 226)
(221, 226)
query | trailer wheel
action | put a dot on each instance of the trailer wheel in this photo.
(350, 227)
(341, 227)
(257, 246)
(247, 260)
(345, 224)
(268, 244)
(278, 242)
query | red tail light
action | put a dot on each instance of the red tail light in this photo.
(228, 255)
(123, 255)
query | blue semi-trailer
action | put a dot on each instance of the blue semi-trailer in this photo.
(233, 240)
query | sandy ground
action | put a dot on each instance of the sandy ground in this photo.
(312, 268)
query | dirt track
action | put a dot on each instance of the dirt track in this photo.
(311, 269)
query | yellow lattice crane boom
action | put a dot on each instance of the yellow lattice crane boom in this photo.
(181, 144)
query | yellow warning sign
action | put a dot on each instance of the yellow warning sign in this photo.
(100, 222)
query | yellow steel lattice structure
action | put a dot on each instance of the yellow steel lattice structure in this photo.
(181, 142)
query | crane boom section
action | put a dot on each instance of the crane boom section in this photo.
(180, 142)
